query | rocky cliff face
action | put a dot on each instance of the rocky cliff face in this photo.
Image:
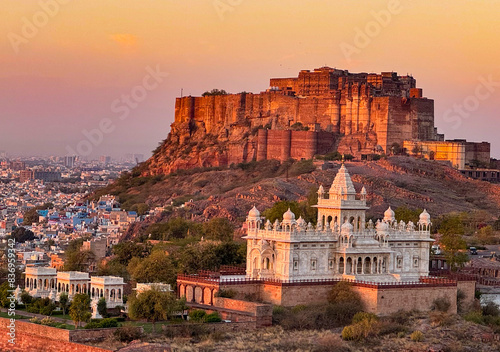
(355, 113)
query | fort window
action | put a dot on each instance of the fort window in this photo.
(330, 264)
(399, 262)
(415, 262)
(295, 264)
(313, 264)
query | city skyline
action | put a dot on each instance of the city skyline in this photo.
(61, 78)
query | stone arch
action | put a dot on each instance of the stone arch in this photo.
(112, 295)
(351, 220)
(359, 266)
(348, 268)
(329, 219)
(106, 294)
(34, 284)
(67, 288)
(368, 265)
(341, 265)
(119, 294)
(92, 292)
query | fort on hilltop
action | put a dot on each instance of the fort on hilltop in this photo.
(318, 112)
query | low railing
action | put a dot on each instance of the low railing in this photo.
(426, 281)
(469, 276)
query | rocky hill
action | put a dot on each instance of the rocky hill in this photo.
(231, 192)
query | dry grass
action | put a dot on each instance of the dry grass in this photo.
(451, 333)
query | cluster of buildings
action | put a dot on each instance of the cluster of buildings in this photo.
(102, 222)
(46, 282)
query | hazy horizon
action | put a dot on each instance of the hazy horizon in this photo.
(64, 76)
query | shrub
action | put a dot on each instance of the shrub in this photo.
(342, 292)
(102, 323)
(127, 334)
(400, 317)
(341, 314)
(213, 318)
(197, 315)
(364, 325)
(417, 336)
(491, 308)
(460, 300)
(330, 342)
(364, 316)
(386, 328)
(441, 304)
(301, 167)
(475, 317)
(321, 316)
(440, 319)
(186, 330)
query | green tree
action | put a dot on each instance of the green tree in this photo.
(214, 92)
(209, 256)
(406, 214)
(140, 208)
(102, 307)
(21, 235)
(154, 305)
(64, 302)
(451, 224)
(125, 251)
(4, 294)
(78, 261)
(31, 215)
(219, 229)
(176, 228)
(41, 306)
(79, 310)
(113, 267)
(454, 250)
(158, 267)
(279, 208)
(26, 298)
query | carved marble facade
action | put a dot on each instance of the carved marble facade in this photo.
(341, 245)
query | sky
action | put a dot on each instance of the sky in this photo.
(68, 66)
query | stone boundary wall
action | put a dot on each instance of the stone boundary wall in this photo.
(40, 338)
(381, 299)
(262, 314)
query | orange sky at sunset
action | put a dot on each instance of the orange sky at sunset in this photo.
(66, 76)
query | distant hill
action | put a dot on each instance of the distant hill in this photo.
(232, 192)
